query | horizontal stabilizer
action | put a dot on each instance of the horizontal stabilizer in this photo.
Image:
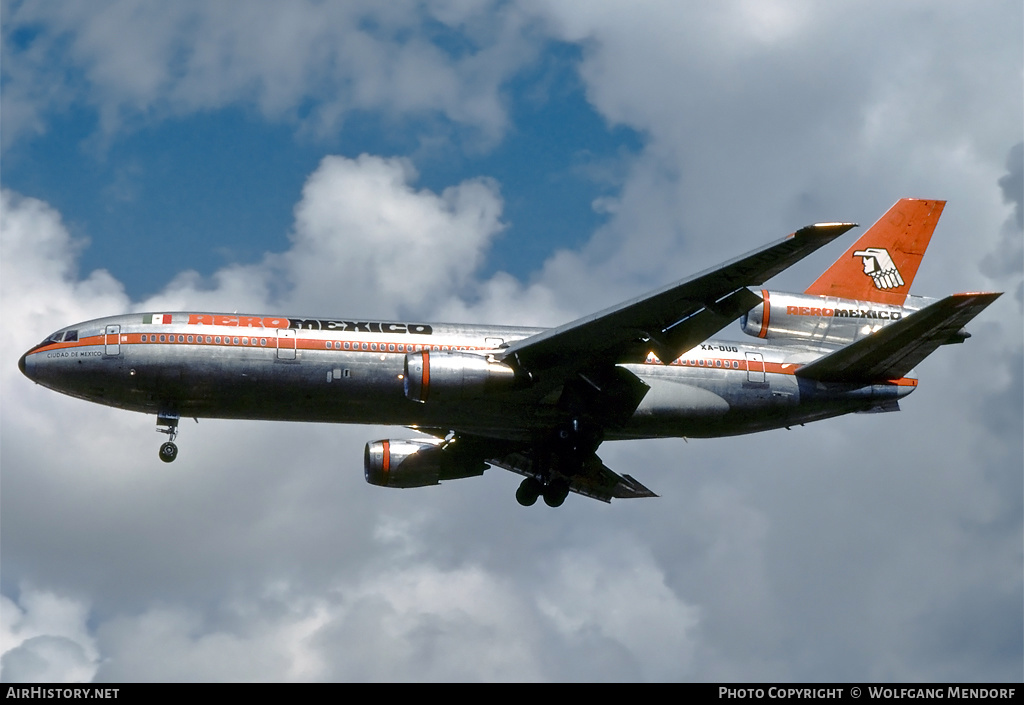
(893, 351)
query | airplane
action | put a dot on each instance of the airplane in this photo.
(539, 402)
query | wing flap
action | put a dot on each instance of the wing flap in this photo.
(596, 480)
(893, 351)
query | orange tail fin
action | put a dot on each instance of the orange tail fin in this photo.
(881, 265)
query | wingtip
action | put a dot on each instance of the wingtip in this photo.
(829, 230)
(985, 298)
(841, 227)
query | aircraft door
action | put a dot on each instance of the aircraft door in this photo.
(112, 340)
(755, 367)
(285, 344)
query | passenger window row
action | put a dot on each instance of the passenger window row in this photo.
(262, 342)
(209, 339)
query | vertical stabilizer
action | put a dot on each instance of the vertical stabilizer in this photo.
(881, 265)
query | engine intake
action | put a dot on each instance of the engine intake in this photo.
(451, 375)
(418, 463)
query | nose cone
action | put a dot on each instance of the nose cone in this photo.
(28, 365)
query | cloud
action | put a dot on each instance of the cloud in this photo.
(1013, 183)
(1005, 263)
(46, 639)
(385, 246)
(755, 127)
(309, 63)
(649, 618)
(41, 279)
(365, 242)
(433, 624)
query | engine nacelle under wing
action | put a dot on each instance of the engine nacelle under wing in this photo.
(817, 319)
(451, 375)
(418, 463)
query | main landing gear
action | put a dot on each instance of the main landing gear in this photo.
(554, 492)
(556, 462)
(169, 422)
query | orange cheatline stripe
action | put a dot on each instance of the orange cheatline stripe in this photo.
(764, 315)
(425, 385)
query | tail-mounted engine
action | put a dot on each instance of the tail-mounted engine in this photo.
(451, 375)
(418, 463)
(817, 319)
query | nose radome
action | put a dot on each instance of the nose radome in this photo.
(21, 364)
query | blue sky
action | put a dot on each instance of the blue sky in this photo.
(201, 190)
(522, 162)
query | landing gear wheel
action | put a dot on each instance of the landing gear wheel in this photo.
(528, 492)
(168, 452)
(555, 493)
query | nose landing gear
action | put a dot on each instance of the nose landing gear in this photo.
(168, 449)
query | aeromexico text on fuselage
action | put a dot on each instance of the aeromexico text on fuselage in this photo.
(213, 319)
(844, 312)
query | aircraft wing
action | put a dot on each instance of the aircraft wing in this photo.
(578, 361)
(595, 480)
(893, 351)
(670, 320)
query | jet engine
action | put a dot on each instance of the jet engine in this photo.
(817, 319)
(418, 463)
(451, 375)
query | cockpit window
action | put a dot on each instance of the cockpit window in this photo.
(66, 336)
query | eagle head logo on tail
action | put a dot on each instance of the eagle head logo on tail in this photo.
(879, 266)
